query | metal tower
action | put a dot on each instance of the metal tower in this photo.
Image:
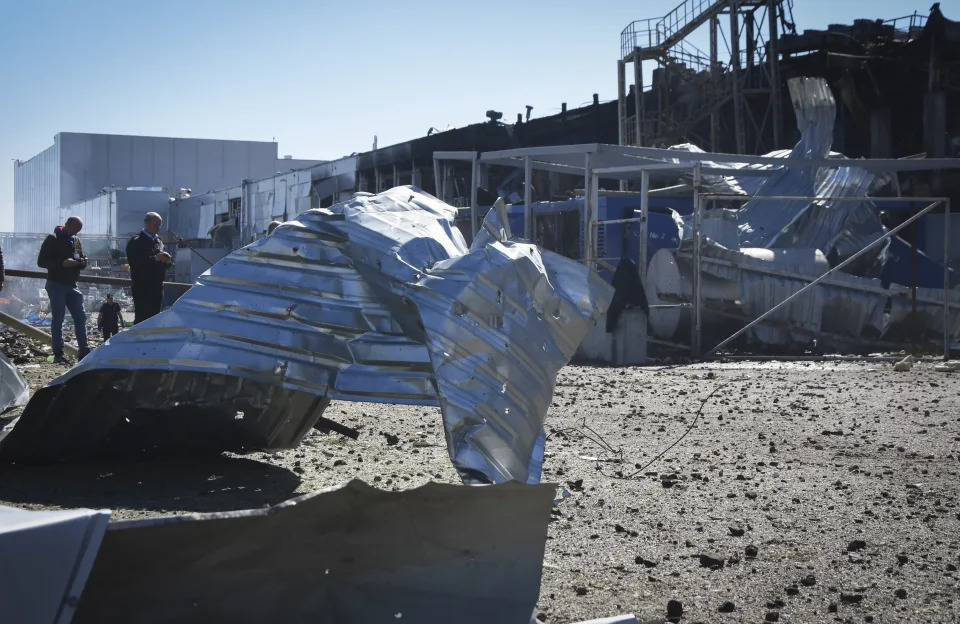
(694, 95)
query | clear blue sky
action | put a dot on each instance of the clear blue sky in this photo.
(321, 77)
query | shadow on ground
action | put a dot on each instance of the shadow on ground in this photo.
(217, 483)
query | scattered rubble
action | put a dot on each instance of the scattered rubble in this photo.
(813, 497)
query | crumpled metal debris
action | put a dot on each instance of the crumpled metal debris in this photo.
(375, 299)
(838, 228)
(783, 244)
(14, 390)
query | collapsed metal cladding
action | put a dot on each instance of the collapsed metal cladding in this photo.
(376, 299)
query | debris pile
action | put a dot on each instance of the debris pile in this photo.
(19, 348)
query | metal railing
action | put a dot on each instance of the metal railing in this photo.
(639, 34)
(907, 23)
(656, 32)
(683, 15)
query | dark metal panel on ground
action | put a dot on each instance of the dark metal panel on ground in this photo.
(438, 553)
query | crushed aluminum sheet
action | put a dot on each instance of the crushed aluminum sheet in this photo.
(375, 299)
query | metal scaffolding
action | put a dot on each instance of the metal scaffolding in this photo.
(690, 88)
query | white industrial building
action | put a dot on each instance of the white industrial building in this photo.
(221, 220)
(103, 177)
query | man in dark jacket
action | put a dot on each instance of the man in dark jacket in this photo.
(148, 266)
(1, 269)
(110, 318)
(62, 256)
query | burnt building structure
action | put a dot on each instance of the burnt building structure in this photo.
(411, 162)
(895, 81)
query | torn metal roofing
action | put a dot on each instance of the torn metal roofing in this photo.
(14, 390)
(375, 299)
(838, 228)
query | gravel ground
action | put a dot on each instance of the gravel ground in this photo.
(804, 492)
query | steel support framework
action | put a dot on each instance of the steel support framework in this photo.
(749, 82)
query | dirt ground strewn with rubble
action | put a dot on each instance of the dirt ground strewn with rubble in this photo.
(818, 492)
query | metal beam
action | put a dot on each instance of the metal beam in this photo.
(715, 83)
(579, 148)
(696, 326)
(773, 57)
(33, 332)
(946, 280)
(638, 99)
(474, 185)
(588, 233)
(735, 77)
(644, 224)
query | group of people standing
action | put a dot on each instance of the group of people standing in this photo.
(61, 254)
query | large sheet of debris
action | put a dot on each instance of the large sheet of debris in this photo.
(375, 299)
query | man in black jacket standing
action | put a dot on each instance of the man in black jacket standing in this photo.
(110, 318)
(148, 266)
(62, 256)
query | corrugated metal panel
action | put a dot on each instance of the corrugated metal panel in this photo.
(93, 161)
(838, 228)
(36, 191)
(118, 213)
(47, 556)
(377, 299)
(13, 389)
(96, 214)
